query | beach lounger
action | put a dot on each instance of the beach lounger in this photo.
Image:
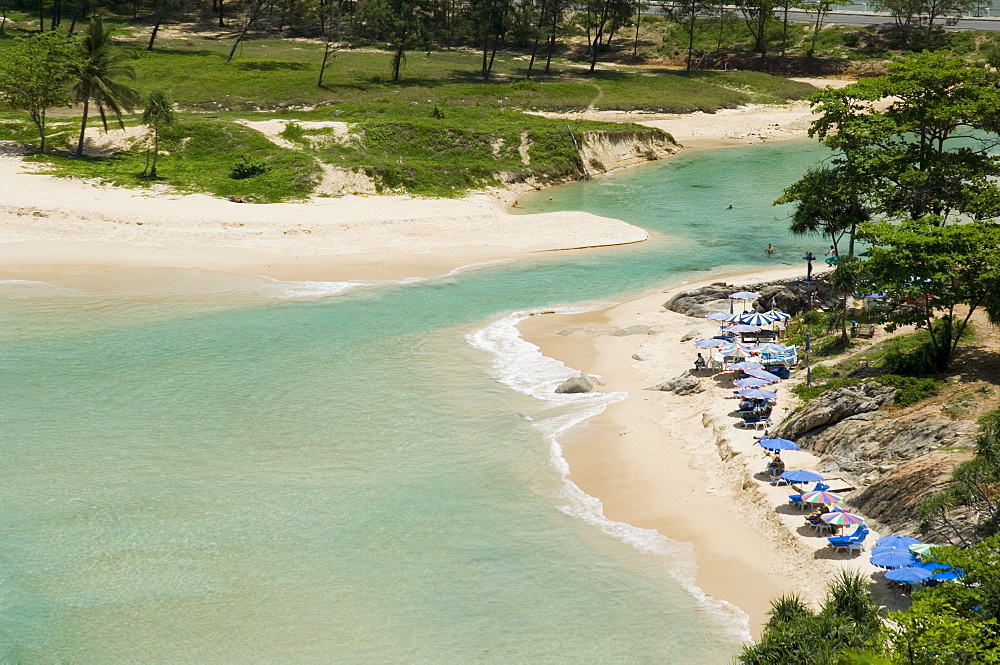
(796, 499)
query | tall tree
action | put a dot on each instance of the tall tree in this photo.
(905, 13)
(758, 15)
(253, 11)
(920, 140)
(161, 10)
(158, 114)
(35, 74)
(828, 202)
(99, 77)
(945, 273)
(490, 18)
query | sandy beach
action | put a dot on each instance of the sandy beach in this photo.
(680, 464)
(655, 460)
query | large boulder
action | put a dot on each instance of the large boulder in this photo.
(714, 298)
(578, 384)
(684, 384)
(834, 406)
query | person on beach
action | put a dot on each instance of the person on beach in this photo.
(776, 466)
(809, 258)
(815, 517)
(770, 248)
(831, 256)
(699, 362)
(729, 207)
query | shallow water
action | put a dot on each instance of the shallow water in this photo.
(224, 469)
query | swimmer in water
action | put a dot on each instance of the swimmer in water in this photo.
(770, 248)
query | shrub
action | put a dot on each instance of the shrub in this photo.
(248, 167)
(910, 389)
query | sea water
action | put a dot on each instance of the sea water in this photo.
(211, 468)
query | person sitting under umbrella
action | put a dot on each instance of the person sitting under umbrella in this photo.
(815, 517)
(776, 467)
(699, 362)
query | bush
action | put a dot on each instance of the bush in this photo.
(910, 389)
(247, 167)
(919, 360)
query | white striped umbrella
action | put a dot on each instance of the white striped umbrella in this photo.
(778, 315)
(755, 319)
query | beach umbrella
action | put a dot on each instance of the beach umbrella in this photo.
(750, 382)
(842, 518)
(755, 319)
(763, 374)
(744, 295)
(908, 575)
(742, 328)
(896, 541)
(778, 315)
(710, 343)
(821, 497)
(941, 571)
(776, 444)
(770, 347)
(722, 316)
(736, 351)
(892, 560)
(801, 476)
(921, 549)
(746, 366)
(757, 393)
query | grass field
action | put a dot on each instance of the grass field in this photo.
(435, 132)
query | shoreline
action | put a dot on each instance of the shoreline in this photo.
(678, 464)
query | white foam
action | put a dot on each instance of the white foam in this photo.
(522, 366)
(310, 290)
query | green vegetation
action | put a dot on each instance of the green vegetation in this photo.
(948, 623)
(199, 154)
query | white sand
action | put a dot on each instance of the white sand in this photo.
(681, 465)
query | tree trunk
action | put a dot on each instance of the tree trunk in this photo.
(784, 30)
(690, 37)
(638, 21)
(322, 67)
(156, 151)
(41, 17)
(83, 127)
(222, 23)
(239, 40)
(152, 37)
(531, 63)
(397, 58)
(483, 71)
(552, 40)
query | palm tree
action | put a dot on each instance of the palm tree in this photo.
(159, 113)
(98, 78)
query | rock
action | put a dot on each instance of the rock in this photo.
(638, 356)
(834, 406)
(699, 302)
(684, 384)
(638, 329)
(688, 336)
(578, 384)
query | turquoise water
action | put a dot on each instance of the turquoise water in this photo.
(221, 469)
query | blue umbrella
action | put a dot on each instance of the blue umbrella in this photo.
(751, 382)
(776, 444)
(722, 316)
(801, 476)
(908, 575)
(745, 365)
(763, 374)
(757, 393)
(778, 315)
(755, 319)
(892, 559)
(710, 343)
(896, 541)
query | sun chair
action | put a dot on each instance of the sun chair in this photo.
(859, 532)
(855, 541)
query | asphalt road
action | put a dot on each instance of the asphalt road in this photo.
(871, 18)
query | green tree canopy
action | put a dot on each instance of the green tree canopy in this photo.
(920, 139)
(944, 273)
(35, 74)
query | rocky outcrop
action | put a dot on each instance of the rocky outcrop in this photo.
(791, 296)
(602, 150)
(834, 406)
(684, 384)
(893, 499)
(578, 384)
(699, 302)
